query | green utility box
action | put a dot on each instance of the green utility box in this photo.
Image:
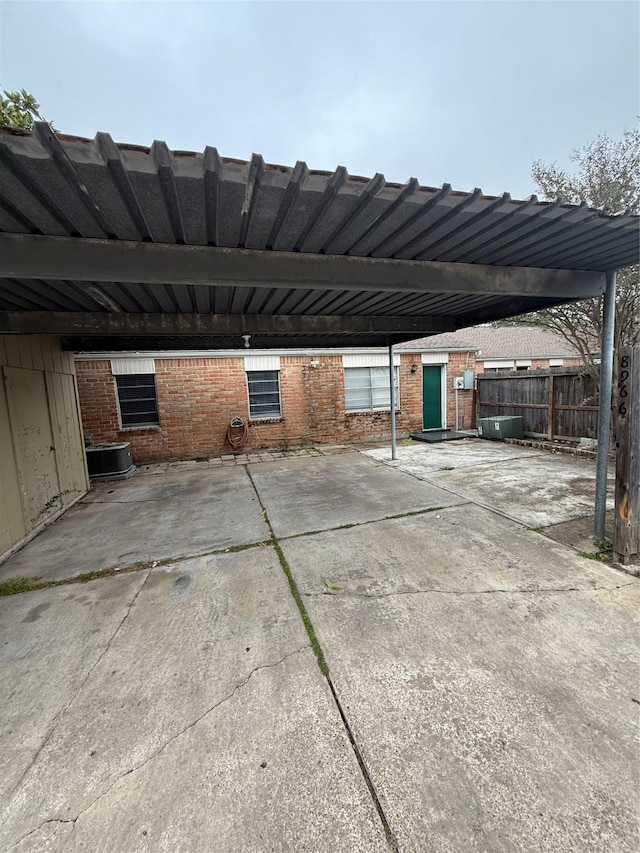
(499, 428)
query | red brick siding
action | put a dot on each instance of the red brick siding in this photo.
(458, 363)
(198, 396)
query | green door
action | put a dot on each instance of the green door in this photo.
(431, 397)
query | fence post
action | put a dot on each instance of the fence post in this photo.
(551, 410)
(626, 530)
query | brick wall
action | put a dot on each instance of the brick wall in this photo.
(459, 362)
(198, 396)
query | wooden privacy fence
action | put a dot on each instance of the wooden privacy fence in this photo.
(556, 403)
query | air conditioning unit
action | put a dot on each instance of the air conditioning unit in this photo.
(110, 461)
(501, 427)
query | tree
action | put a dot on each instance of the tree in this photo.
(608, 177)
(19, 110)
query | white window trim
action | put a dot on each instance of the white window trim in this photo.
(556, 362)
(443, 397)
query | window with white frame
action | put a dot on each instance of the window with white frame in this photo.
(264, 394)
(366, 389)
(136, 388)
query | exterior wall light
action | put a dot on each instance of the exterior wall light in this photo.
(414, 368)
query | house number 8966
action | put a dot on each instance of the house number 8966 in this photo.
(623, 389)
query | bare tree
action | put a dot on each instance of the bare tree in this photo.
(607, 177)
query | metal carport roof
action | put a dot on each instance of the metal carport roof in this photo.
(123, 247)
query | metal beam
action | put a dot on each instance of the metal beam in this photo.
(604, 411)
(392, 399)
(166, 343)
(28, 256)
(107, 323)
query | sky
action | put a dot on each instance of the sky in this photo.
(468, 93)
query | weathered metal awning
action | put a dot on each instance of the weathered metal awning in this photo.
(124, 247)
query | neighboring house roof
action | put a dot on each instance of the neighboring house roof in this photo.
(499, 342)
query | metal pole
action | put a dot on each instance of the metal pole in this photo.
(604, 411)
(392, 398)
(456, 408)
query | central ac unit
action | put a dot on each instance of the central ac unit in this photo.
(110, 461)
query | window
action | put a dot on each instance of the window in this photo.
(367, 388)
(264, 394)
(137, 398)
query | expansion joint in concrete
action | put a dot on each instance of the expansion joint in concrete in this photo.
(324, 669)
(389, 834)
(345, 593)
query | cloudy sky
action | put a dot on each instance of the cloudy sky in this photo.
(464, 92)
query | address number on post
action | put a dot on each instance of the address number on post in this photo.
(623, 386)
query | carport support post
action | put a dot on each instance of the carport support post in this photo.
(392, 398)
(604, 411)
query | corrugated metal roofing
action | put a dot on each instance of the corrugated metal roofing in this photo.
(57, 185)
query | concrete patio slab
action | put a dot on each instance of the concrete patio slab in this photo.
(144, 519)
(458, 549)
(533, 487)
(303, 495)
(51, 639)
(486, 675)
(418, 459)
(195, 718)
(493, 694)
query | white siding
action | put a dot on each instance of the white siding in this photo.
(129, 366)
(497, 364)
(369, 360)
(435, 358)
(262, 362)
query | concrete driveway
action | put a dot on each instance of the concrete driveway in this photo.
(482, 689)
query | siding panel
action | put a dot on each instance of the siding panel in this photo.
(38, 411)
(12, 526)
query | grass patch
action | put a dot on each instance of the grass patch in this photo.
(13, 586)
(17, 585)
(295, 592)
(362, 523)
(607, 558)
(236, 549)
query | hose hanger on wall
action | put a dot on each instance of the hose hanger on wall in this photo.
(237, 433)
